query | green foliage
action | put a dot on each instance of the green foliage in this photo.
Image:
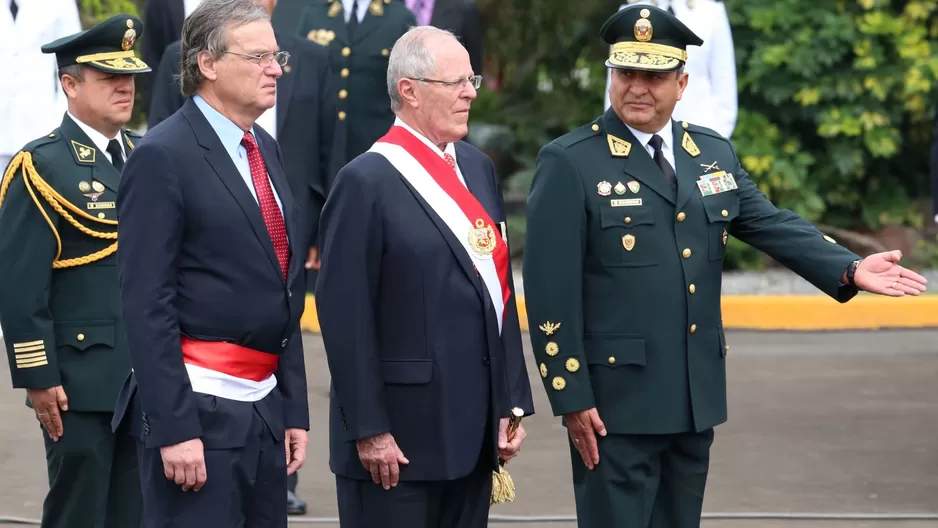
(836, 99)
(837, 102)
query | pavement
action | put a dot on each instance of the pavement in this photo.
(830, 423)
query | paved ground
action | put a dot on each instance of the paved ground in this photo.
(820, 423)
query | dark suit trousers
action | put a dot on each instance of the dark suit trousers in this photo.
(93, 479)
(245, 488)
(652, 481)
(461, 503)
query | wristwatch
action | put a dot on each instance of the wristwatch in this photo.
(851, 270)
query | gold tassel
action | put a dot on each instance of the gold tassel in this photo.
(503, 488)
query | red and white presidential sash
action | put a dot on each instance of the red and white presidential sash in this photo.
(438, 184)
(228, 370)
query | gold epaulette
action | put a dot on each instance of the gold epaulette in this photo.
(33, 183)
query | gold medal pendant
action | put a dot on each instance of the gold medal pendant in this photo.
(482, 239)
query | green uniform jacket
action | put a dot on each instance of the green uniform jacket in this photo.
(59, 297)
(623, 290)
(360, 64)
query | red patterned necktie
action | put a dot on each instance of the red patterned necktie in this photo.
(273, 218)
(449, 160)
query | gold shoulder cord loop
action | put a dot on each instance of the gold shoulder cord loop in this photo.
(32, 179)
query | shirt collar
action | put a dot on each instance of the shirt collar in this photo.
(99, 139)
(645, 137)
(450, 147)
(228, 132)
(362, 6)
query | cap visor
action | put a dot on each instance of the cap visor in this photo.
(643, 61)
(126, 65)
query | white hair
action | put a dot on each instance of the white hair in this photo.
(411, 59)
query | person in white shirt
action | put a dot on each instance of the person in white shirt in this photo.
(710, 99)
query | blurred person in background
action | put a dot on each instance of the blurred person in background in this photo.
(710, 99)
(59, 299)
(302, 121)
(462, 17)
(359, 35)
(628, 220)
(164, 20)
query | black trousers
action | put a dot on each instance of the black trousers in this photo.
(245, 487)
(93, 479)
(652, 481)
(461, 503)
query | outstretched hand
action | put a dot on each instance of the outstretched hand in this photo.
(882, 274)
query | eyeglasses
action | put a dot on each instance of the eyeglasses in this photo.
(265, 59)
(475, 81)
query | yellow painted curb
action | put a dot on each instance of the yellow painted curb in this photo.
(787, 312)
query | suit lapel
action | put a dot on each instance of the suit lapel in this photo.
(687, 169)
(640, 164)
(218, 158)
(285, 83)
(86, 154)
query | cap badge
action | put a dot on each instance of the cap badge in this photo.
(129, 37)
(643, 29)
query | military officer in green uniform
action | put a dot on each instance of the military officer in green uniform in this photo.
(59, 302)
(359, 35)
(627, 223)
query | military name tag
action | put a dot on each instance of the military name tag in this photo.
(628, 202)
(101, 205)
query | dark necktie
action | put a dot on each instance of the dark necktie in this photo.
(353, 20)
(656, 143)
(273, 218)
(117, 156)
(14, 9)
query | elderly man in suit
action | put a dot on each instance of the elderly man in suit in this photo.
(211, 290)
(417, 307)
(302, 121)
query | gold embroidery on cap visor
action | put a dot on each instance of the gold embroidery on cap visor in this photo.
(645, 55)
(114, 61)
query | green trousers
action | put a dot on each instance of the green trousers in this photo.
(93, 477)
(651, 481)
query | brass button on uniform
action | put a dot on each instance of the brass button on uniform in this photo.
(693, 328)
(726, 348)
(559, 383)
(628, 219)
(681, 216)
(100, 215)
(692, 289)
(80, 337)
(595, 128)
(573, 365)
(543, 370)
(724, 213)
(346, 51)
(341, 116)
(385, 52)
(344, 72)
(612, 360)
(686, 253)
(343, 94)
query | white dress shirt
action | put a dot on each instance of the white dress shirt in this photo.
(32, 101)
(667, 147)
(450, 147)
(100, 140)
(362, 9)
(710, 99)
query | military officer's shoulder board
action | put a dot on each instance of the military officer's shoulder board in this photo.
(576, 136)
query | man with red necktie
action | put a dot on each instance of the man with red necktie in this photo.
(417, 308)
(212, 290)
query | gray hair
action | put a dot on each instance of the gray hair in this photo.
(206, 30)
(411, 59)
(75, 71)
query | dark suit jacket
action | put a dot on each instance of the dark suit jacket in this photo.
(163, 20)
(462, 17)
(196, 260)
(306, 121)
(410, 333)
